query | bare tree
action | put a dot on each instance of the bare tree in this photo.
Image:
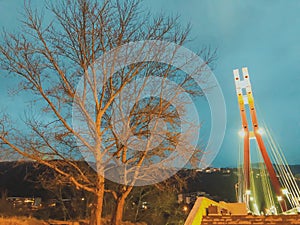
(76, 62)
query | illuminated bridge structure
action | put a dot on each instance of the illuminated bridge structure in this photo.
(277, 187)
(267, 192)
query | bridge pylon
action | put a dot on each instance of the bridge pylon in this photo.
(252, 131)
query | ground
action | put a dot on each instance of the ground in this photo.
(33, 221)
(21, 221)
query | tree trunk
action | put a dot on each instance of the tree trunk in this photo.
(96, 211)
(118, 214)
(120, 204)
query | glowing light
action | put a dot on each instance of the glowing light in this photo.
(251, 135)
(185, 208)
(251, 198)
(285, 191)
(279, 198)
(242, 133)
(260, 131)
(248, 192)
(273, 210)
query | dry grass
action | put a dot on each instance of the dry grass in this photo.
(106, 221)
(32, 221)
(21, 221)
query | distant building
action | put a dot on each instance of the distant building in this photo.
(24, 202)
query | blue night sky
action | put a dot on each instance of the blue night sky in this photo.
(262, 35)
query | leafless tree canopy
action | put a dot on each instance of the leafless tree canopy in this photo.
(51, 57)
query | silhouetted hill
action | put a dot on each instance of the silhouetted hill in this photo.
(21, 179)
(16, 179)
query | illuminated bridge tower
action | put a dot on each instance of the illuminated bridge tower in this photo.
(246, 102)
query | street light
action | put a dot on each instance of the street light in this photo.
(185, 208)
(285, 191)
(260, 131)
(242, 133)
